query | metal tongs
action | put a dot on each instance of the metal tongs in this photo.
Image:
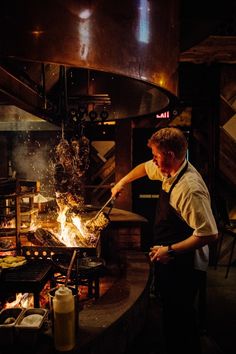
(110, 200)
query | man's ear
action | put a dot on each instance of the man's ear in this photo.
(171, 155)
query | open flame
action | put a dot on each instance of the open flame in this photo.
(77, 230)
(72, 232)
(73, 228)
(22, 300)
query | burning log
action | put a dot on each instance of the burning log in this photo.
(46, 238)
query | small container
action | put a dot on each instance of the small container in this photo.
(29, 325)
(8, 319)
(64, 313)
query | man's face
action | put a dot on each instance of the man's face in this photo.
(164, 161)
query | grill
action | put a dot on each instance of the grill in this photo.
(44, 253)
(31, 278)
(42, 267)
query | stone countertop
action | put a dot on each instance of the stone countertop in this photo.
(99, 316)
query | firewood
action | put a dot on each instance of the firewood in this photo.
(46, 238)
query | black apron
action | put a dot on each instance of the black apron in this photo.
(169, 227)
(176, 280)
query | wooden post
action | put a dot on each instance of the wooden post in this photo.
(123, 161)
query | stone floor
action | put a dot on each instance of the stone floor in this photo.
(220, 336)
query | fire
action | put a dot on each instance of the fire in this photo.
(70, 165)
(22, 300)
(72, 231)
(77, 221)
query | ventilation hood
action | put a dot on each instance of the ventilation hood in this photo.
(121, 57)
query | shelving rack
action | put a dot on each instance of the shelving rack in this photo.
(12, 193)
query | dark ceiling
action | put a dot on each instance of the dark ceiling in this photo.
(201, 19)
(53, 90)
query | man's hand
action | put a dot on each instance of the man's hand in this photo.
(117, 189)
(159, 253)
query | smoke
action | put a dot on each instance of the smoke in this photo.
(32, 161)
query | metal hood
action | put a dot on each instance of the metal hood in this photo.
(127, 50)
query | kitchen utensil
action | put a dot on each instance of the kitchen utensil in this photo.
(70, 267)
(110, 200)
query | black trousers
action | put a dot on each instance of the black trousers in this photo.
(177, 287)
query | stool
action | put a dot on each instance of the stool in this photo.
(92, 281)
(86, 277)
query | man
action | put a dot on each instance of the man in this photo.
(184, 227)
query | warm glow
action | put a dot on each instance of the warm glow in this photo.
(66, 233)
(78, 223)
(73, 232)
(37, 33)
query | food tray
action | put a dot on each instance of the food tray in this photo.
(7, 331)
(12, 262)
(28, 334)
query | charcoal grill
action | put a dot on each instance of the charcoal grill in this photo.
(84, 273)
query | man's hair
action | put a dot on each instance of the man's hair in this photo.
(170, 139)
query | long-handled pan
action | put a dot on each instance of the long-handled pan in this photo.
(110, 200)
(95, 224)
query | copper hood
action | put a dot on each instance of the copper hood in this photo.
(134, 41)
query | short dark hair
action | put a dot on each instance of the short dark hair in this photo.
(170, 139)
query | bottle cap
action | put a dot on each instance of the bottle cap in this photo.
(63, 291)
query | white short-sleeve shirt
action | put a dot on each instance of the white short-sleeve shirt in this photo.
(191, 200)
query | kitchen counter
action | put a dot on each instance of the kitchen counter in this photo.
(109, 324)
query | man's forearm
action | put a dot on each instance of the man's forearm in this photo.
(193, 242)
(160, 253)
(136, 173)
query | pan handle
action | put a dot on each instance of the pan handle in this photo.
(111, 199)
(111, 207)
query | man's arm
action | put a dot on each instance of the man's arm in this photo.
(136, 173)
(160, 253)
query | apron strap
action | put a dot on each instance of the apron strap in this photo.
(178, 177)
